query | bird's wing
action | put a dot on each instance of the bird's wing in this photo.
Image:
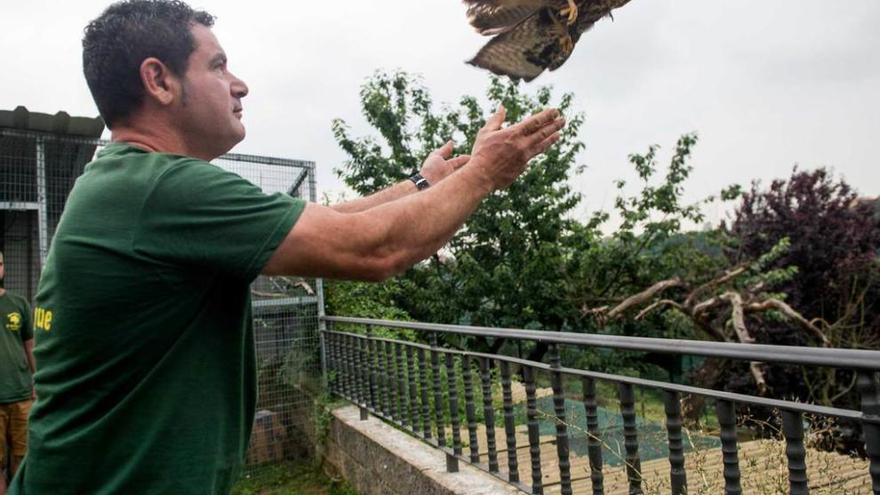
(521, 52)
(491, 17)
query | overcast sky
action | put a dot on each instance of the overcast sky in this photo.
(765, 84)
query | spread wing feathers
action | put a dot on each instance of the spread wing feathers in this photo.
(527, 33)
(491, 17)
(523, 51)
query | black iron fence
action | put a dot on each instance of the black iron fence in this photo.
(419, 388)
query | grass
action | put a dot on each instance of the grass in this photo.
(293, 478)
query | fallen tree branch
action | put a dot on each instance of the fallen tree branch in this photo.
(738, 320)
(791, 313)
(658, 304)
(644, 296)
(727, 277)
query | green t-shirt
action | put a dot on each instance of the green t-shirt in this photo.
(15, 329)
(146, 380)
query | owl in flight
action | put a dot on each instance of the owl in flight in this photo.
(532, 35)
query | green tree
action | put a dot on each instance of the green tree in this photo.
(522, 260)
(505, 267)
(651, 245)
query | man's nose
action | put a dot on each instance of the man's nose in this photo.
(238, 88)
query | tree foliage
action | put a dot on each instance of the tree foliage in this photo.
(834, 238)
(834, 241)
(504, 267)
(522, 260)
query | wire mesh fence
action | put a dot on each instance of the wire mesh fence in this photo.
(37, 172)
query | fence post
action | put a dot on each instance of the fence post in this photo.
(403, 403)
(423, 387)
(509, 427)
(363, 376)
(413, 393)
(630, 438)
(42, 201)
(562, 448)
(452, 385)
(470, 408)
(489, 412)
(391, 381)
(726, 411)
(677, 473)
(371, 362)
(534, 431)
(793, 430)
(438, 391)
(594, 444)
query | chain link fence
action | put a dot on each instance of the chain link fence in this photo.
(37, 172)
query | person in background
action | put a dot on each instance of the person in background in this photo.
(16, 378)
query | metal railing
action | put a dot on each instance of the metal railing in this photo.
(401, 382)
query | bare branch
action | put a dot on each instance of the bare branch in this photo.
(758, 375)
(644, 296)
(788, 311)
(594, 311)
(738, 321)
(705, 306)
(658, 304)
(730, 275)
(738, 317)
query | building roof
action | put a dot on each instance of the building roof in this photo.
(60, 123)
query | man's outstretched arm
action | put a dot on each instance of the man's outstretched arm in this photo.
(386, 239)
(436, 167)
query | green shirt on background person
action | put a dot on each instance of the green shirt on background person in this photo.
(143, 328)
(16, 382)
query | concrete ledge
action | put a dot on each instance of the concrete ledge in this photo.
(377, 459)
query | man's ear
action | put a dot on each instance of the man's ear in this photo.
(160, 84)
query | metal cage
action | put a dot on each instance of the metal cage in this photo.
(37, 172)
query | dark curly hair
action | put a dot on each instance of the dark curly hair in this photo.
(120, 39)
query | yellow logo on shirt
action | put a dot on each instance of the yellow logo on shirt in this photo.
(43, 319)
(13, 322)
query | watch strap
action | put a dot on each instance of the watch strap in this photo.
(420, 182)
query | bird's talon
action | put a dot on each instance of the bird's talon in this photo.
(566, 44)
(570, 11)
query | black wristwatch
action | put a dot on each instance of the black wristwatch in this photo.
(420, 182)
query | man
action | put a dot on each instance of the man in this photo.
(142, 318)
(16, 378)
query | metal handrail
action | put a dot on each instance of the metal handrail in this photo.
(807, 356)
(390, 379)
(641, 382)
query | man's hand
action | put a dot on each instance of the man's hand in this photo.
(379, 242)
(501, 155)
(439, 165)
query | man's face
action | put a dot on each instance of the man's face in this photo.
(2, 268)
(210, 110)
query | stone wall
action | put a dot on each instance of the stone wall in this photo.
(377, 459)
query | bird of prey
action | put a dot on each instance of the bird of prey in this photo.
(532, 35)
